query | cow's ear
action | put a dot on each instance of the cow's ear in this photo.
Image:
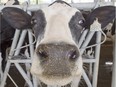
(104, 14)
(17, 18)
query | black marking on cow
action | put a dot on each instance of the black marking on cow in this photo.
(74, 25)
(16, 2)
(22, 16)
(4, 30)
(6, 35)
(113, 28)
(39, 27)
(60, 1)
(104, 14)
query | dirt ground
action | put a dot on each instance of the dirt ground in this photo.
(104, 76)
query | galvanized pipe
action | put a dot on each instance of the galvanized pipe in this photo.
(97, 57)
(82, 38)
(86, 42)
(14, 43)
(114, 64)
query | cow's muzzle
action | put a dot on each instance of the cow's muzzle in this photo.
(57, 59)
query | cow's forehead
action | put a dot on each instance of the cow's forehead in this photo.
(60, 9)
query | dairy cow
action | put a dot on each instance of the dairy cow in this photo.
(6, 33)
(56, 59)
(108, 25)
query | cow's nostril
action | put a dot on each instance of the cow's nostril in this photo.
(73, 55)
(42, 54)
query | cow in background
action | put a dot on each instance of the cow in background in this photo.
(108, 28)
(6, 33)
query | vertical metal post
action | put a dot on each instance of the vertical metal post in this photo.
(31, 47)
(3, 82)
(87, 40)
(114, 64)
(82, 38)
(14, 43)
(97, 55)
(20, 42)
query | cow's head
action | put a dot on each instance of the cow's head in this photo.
(57, 59)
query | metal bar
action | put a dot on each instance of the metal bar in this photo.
(35, 83)
(87, 40)
(21, 61)
(86, 79)
(90, 68)
(114, 64)
(82, 38)
(14, 42)
(3, 82)
(23, 74)
(31, 47)
(82, 49)
(97, 57)
(89, 60)
(30, 42)
(16, 36)
(21, 40)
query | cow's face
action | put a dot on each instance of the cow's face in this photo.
(57, 58)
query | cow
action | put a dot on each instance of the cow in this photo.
(108, 28)
(6, 33)
(57, 59)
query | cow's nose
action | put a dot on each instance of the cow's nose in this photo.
(57, 51)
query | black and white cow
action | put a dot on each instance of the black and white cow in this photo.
(6, 32)
(57, 59)
(108, 25)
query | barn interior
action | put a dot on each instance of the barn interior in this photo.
(99, 72)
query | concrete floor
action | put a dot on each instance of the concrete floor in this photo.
(104, 77)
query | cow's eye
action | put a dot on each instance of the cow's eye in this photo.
(33, 21)
(81, 22)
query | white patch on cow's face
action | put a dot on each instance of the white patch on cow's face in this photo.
(57, 27)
